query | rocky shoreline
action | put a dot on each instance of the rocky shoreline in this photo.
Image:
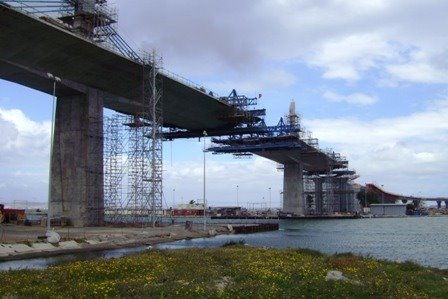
(21, 242)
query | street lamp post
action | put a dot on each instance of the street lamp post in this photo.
(55, 80)
(270, 198)
(237, 195)
(205, 201)
(382, 193)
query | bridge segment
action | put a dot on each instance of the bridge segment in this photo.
(91, 78)
(389, 197)
(283, 144)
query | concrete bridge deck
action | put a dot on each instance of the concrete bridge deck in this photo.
(31, 47)
(93, 77)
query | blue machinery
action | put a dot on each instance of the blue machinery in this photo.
(250, 132)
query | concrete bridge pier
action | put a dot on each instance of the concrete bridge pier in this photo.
(293, 201)
(446, 204)
(439, 204)
(343, 196)
(77, 161)
(318, 183)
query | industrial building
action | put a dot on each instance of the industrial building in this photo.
(388, 209)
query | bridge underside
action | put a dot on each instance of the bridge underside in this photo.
(295, 155)
(31, 48)
(92, 77)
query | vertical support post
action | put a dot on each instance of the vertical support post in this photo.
(153, 100)
(205, 200)
(77, 160)
(318, 182)
(293, 189)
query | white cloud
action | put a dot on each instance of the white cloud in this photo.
(418, 72)
(24, 153)
(263, 80)
(344, 39)
(348, 57)
(407, 153)
(253, 177)
(355, 98)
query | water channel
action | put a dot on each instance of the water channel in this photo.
(419, 239)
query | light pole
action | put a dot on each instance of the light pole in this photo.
(382, 193)
(205, 202)
(281, 199)
(237, 195)
(55, 80)
(269, 198)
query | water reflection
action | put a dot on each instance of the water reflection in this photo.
(42, 263)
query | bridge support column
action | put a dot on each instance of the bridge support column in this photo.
(293, 189)
(77, 161)
(446, 204)
(318, 182)
(439, 204)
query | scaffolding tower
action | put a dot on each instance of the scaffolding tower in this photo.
(114, 166)
(153, 95)
(133, 189)
(95, 171)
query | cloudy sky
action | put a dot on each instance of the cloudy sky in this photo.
(369, 79)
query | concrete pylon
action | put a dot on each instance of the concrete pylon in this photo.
(446, 203)
(344, 201)
(318, 182)
(293, 201)
(77, 161)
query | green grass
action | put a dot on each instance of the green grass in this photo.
(228, 272)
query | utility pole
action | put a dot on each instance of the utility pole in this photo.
(205, 202)
(55, 80)
(237, 195)
(269, 198)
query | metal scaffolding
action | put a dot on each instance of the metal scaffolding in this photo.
(133, 189)
(115, 141)
(94, 171)
(153, 96)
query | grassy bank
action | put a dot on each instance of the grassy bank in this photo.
(230, 272)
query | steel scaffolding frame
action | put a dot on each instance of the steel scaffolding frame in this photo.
(94, 170)
(114, 166)
(153, 95)
(142, 174)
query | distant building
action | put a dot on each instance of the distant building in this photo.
(226, 211)
(11, 215)
(388, 209)
(193, 209)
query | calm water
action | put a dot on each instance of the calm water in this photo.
(420, 239)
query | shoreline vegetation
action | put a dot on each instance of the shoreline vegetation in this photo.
(232, 271)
